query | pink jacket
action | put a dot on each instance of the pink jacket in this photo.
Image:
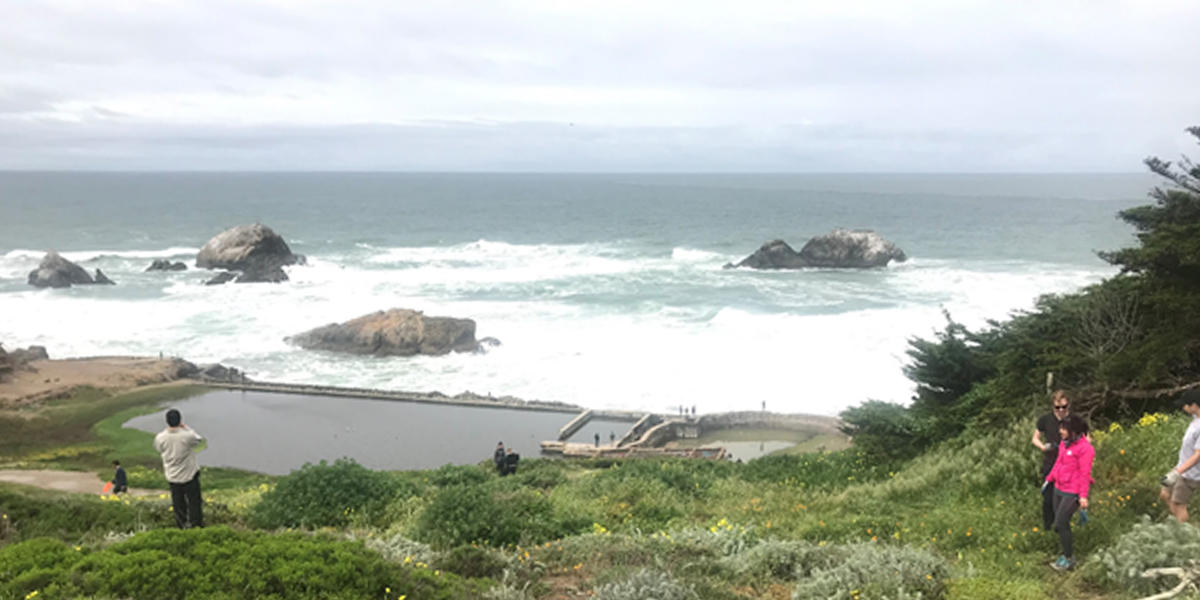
(1072, 472)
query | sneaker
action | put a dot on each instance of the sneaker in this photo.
(1062, 563)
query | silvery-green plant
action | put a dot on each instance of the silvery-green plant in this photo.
(646, 584)
(875, 571)
(1147, 545)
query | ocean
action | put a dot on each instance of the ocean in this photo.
(605, 290)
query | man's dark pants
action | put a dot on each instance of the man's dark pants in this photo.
(185, 497)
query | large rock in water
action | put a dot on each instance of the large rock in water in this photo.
(255, 250)
(842, 249)
(854, 249)
(397, 332)
(58, 272)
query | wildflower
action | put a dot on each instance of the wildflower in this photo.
(1035, 529)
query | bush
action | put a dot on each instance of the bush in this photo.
(820, 470)
(646, 584)
(218, 562)
(76, 518)
(468, 514)
(452, 475)
(1146, 546)
(689, 478)
(473, 561)
(323, 495)
(873, 571)
(776, 559)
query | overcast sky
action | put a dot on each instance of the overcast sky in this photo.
(598, 86)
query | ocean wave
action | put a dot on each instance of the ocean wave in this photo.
(77, 256)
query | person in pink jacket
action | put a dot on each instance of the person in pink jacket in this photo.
(1071, 478)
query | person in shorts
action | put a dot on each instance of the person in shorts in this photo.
(1182, 482)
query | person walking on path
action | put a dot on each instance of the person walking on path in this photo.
(176, 444)
(1072, 479)
(1045, 438)
(119, 482)
(1181, 482)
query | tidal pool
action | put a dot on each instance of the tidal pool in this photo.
(276, 433)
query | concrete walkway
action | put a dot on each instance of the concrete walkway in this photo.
(65, 481)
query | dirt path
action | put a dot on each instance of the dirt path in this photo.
(64, 481)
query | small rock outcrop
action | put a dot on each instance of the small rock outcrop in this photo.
(21, 356)
(397, 332)
(101, 279)
(58, 272)
(775, 254)
(255, 250)
(853, 249)
(162, 264)
(840, 249)
(6, 365)
(222, 277)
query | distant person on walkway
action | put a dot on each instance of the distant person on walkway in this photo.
(1181, 482)
(597, 440)
(120, 483)
(510, 462)
(1071, 478)
(498, 458)
(1045, 438)
(176, 444)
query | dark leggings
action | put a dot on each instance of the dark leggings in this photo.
(1065, 506)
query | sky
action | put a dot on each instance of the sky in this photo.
(598, 86)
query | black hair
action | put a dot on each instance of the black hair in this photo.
(1191, 396)
(116, 463)
(173, 418)
(1076, 426)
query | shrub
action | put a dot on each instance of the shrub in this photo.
(218, 562)
(873, 571)
(323, 495)
(76, 518)
(645, 584)
(778, 559)
(689, 478)
(821, 470)
(399, 548)
(467, 514)
(473, 561)
(1146, 546)
(452, 475)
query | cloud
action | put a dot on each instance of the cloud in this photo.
(763, 85)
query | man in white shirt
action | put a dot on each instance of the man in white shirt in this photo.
(1181, 482)
(176, 444)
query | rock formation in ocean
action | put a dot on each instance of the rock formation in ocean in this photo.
(58, 272)
(162, 264)
(840, 249)
(255, 250)
(102, 279)
(397, 332)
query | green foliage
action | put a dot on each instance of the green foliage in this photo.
(1147, 545)
(495, 516)
(645, 584)
(473, 561)
(218, 562)
(323, 495)
(451, 475)
(873, 571)
(74, 518)
(820, 470)
(944, 370)
(774, 559)
(882, 429)
(691, 478)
